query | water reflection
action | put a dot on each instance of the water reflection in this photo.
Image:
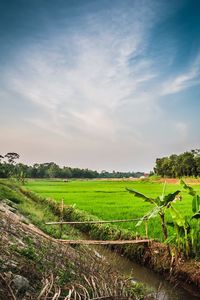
(138, 273)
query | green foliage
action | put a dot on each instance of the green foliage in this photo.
(195, 232)
(188, 188)
(182, 230)
(196, 215)
(184, 164)
(8, 168)
(187, 233)
(140, 195)
(161, 203)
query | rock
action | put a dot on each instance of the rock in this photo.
(20, 284)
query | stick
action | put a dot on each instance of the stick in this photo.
(61, 218)
(91, 222)
(98, 242)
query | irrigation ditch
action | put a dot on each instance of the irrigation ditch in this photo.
(139, 273)
(149, 260)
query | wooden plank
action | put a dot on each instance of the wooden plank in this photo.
(91, 222)
(98, 242)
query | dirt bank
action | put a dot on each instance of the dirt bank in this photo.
(34, 265)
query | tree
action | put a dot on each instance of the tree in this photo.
(184, 164)
(162, 166)
(66, 172)
(53, 171)
(11, 157)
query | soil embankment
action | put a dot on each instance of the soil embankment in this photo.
(34, 265)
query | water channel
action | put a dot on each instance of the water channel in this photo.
(138, 273)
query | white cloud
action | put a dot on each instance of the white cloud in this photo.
(183, 81)
(81, 79)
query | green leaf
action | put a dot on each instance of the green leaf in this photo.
(170, 239)
(154, 212)
(170, 198)
(177, 217)
(195, 203)
(144, 218)
(151, 214)
(142, 196)
(188, 188)
(196, 216)
(171, 224)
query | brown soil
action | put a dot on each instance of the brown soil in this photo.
(185, 273)
(176, 180)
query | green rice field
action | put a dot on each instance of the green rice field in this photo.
(109, 200)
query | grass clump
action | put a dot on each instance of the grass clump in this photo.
(38, 212)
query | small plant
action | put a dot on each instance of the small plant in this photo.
(195, 219)
(182, 229)
(187, 229)
(161, 203)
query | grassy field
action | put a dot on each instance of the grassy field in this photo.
(109, 200)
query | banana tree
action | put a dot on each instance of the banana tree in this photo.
(195, 231)
(195, 201)
(182, 230)
(161, 203)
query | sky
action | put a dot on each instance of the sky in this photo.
(99, 84)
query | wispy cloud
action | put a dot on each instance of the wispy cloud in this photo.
(185, 80)
(83, 86)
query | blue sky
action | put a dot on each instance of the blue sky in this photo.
(99, 84)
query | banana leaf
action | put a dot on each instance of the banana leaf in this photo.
(196, 216)
(188, 188)
(170, 198)
(178, 218)
(196, 204)
(142, 196)
(151, 214)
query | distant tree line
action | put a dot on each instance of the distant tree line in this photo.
(9, 167)
(184, 164)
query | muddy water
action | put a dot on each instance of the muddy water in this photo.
(138, 273)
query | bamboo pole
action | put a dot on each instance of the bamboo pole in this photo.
(108, 242)
(61, 217)
(91, 222)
